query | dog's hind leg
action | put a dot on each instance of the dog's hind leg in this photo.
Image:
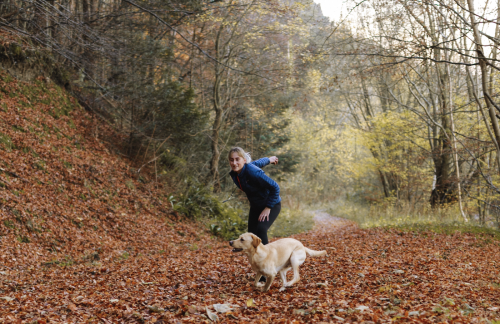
(283, 277)
(296, 259)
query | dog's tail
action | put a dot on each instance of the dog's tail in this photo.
(314, 253)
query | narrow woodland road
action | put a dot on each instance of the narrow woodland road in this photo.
(367, 276)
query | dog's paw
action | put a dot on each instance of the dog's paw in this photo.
(260, 284)
(282, 289)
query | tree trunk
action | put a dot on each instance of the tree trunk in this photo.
(214, 162)
(484, 74)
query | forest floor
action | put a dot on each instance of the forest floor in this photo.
(372, 275)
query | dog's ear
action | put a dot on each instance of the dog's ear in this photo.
(256, 241)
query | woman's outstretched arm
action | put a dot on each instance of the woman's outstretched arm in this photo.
(265, 161)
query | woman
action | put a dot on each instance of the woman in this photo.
(262, 191)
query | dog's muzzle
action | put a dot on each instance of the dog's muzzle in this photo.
(235, 250)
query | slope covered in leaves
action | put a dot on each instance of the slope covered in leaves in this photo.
(64, 196)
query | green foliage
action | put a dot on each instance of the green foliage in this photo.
(171, 161)
(291, 221)
(6, 142)
(23, 239)
(40, 165)
(9, 224)
(198, 202)
(130, 184)
(124, 256)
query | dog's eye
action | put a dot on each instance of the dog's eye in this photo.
(242, 239)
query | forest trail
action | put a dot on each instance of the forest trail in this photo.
(325, 222)
(370, 275)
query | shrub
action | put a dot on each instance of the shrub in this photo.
(197, 202)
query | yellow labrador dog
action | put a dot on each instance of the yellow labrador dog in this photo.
(278, 256)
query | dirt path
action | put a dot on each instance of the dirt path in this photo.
(368, 275)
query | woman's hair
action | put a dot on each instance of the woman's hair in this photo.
(241, 153)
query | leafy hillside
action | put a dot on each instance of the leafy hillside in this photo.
(65, 196)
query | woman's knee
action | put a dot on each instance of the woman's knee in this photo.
(261, 228)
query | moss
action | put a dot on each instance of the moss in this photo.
(58, 112)
(25, 104)
(18, 129)
(8, 79)
(28, 150)
(130, 184)
(46, 129)
(6, 142)
(9, 224)
(40, 165)
(17, 51)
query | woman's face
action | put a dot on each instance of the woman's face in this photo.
(236, 162)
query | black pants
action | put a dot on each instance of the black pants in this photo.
(260, 228)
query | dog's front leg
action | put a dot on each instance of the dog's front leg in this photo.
(258, 284)
(269, 282)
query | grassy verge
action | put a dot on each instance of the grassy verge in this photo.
(291, 221)
(446, 220)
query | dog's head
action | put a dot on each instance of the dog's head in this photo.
(245, 242)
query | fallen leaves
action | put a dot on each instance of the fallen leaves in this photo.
(72, 307)
(250, 302)
(224, 308)
(212, 316)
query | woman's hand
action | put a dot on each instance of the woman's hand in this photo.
(273, 159)
(264, 215)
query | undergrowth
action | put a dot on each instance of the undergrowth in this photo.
(291, 221)
(197, 202)
(446, 220)
(230, 220)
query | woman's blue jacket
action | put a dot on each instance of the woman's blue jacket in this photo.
(261, 190)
